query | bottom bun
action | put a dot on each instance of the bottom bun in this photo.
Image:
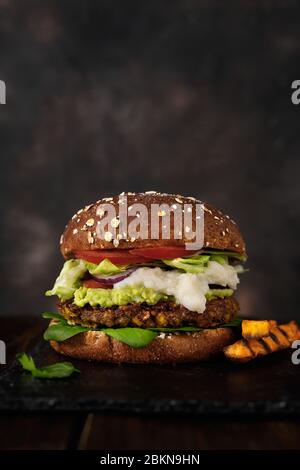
(172, 348)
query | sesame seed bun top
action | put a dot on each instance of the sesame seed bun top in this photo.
(220, 231)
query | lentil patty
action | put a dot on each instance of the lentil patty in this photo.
(162, 314)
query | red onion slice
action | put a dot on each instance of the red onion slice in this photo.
(114, 278)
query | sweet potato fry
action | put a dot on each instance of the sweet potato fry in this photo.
(256, 328)
(290, 330)
(279, 337)
(239, 351)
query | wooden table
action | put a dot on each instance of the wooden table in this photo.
(57, 430)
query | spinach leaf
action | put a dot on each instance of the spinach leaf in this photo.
(62, 331)
(56, 316)
(54, 371)
(172, 330)
(235, 323)
(134, 337)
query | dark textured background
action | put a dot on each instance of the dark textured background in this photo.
(182, 96)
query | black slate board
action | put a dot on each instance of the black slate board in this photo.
(266, 387)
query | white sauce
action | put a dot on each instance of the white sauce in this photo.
(188, 289)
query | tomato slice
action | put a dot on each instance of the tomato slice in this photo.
(118, 257)
(163, 252)
(135, 256)
(93, 284)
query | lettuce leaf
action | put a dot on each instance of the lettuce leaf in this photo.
(222, 259)
(105, 268)
(229, 254)
(194, 264)
(68, 280)
(73, 270)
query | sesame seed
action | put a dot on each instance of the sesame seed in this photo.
(119, 236)
(107, 199)
(227, 229)
(132, 239)
(75, 231)
(87, 207)
(108, 236)
(116, 242)
(216, 217)
(129, 208)
(174, 206)
(223, 233)
(61, 239)
(74, 216)
(115, 222)
(161, 213)
(206, 243)
(150, 192)
(90, 237)
(177, 199)
(122, 193)
(187, 229)
(236, 245)
(90, 222)
(100, 211)
(79, 212)
(78, 220)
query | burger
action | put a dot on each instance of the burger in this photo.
(149, 296)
